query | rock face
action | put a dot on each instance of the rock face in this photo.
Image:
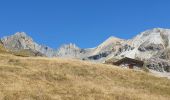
(98, 53)
(70, 50)
(73, 51)
(108, 48)
(158, 64)
(160, 61)
(21, 41)
(146, 44)
(111, 44)
(164, 54)
(152, 46)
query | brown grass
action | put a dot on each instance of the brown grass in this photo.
(65, 79)
(2, 49)
(24, 53)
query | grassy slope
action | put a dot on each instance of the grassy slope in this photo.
(62, 79)
(2, 49)
(22, 53)
(27, 53)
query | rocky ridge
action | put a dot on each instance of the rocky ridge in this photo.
(21, 41)
(151, 46)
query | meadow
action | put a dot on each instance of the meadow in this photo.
(41, 78)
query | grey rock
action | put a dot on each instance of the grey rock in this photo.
(21, 41)
(158, 64)
(150, 47)
(72, 51)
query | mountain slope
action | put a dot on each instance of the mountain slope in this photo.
(21, 41)
(146, 46)
(72, 51)
(96, 54)
(149, 43)
(151, 46)
(65, 79)
(109, 45)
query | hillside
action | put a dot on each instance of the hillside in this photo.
(2, 49)
(38, 78)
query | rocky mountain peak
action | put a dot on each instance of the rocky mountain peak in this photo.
(108, 45)
(154, 43)
(69, 50)
(156, 36)
(18, 41)
(112, 39)
(70, 46)
(19, 36)
(21, 41)
(22, 34)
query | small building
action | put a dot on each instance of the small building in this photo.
(127, 62)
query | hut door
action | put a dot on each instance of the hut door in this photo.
(130, 66)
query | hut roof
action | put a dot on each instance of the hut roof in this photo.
(128, 60)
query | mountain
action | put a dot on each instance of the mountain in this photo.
(21, 41)
(108, 47)
(71, 51)
(97, 54)
(149, 43)
(111, 44)
(151, 46)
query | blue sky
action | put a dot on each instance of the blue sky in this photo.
(86, 23)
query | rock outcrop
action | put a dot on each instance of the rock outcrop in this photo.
(147, 44)
(158, 64)
(21, 41)
(70, 51)
(152, 47)
(109, 47)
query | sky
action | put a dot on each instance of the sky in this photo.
(87, 23)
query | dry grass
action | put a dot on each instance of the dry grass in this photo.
(64, 79)
(24, 53)
(2, 49)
